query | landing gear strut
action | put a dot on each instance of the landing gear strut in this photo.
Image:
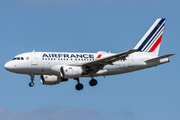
(79, 86)
(31, 84)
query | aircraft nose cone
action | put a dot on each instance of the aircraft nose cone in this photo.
(6, 66)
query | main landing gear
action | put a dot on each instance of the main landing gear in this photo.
(80, 86)
(93, 82)
(31, 84)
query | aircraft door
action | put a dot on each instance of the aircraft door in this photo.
(34, 59)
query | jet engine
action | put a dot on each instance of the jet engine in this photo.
(71, 71)
(50, 79)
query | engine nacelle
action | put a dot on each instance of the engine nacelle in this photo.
(50, 79)
(70, 71)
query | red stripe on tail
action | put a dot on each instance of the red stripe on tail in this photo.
(156, 44)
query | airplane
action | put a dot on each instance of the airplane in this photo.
(56, 67)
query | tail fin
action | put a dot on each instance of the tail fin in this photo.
(150, 42)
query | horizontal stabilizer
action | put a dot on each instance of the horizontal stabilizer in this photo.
(158, 58)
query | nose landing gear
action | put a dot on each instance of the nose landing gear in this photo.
(31, 84)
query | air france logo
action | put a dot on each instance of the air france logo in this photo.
(68, 55)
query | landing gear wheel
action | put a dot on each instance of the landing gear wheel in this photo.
(93, 82)
(31, 84)
(79, 86)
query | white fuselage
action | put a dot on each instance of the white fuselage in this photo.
(45, 63)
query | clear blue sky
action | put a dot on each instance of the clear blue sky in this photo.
(89, 26)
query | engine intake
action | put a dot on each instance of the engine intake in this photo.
(51, 79)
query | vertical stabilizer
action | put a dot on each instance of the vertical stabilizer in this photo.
(150, 42)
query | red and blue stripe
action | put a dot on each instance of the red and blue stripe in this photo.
(153, 40)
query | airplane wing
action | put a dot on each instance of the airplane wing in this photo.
(110, 59)
(158, 58)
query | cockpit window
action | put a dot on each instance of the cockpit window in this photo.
(18, 58)
(14, 59)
